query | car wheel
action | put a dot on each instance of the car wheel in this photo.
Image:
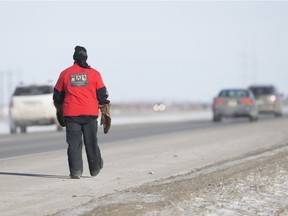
(13, 130)
(253, 118)
(59, 128)
(13, 126)
(278, 114)
(23, 129)
(216, 118)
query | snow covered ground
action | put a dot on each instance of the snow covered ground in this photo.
(255, 186)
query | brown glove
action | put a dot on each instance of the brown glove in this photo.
(59, 114)
(105, 117)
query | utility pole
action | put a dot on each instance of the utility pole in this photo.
(2, 92)
(9, 84)
(254, 67)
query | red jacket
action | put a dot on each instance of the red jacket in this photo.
(79, 87)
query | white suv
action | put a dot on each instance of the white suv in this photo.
(32, 105)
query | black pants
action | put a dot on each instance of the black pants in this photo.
(74, 133)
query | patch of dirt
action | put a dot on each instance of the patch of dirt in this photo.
(255, 187)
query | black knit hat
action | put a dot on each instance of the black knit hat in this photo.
(80, 53)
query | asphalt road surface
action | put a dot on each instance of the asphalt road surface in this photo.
(39, 142)
(152, 169)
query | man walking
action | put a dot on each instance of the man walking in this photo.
(78, 94)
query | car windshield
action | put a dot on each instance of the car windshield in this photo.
(234, 93)
(33, 90)
(257, 91)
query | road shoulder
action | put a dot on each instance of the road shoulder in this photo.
(256, 185)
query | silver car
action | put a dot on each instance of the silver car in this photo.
(268, 99)
(232, 103)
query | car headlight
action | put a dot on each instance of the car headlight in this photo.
(273, 98)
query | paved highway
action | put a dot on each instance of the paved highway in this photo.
(147, 153)
(39, 142)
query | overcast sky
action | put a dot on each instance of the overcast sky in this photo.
(145, 50)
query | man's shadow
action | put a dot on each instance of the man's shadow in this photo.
(35, 175)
